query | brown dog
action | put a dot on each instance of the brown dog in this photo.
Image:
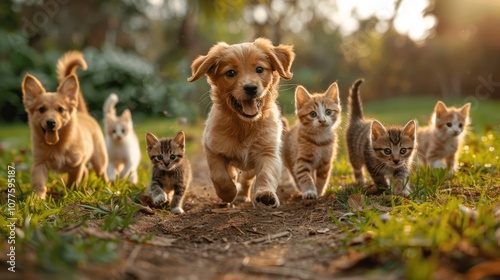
(243, 129)
(64, 136)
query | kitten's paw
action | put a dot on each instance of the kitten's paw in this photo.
(177, 210)
(41, 191)
(438, 164)
(159, 198)
(267, 198)
(310, 194)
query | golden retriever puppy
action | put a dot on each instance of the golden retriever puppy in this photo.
(243, 129)
(64, 137)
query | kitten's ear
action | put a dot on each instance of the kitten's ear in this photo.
(301, 96)
(378, 130)
(126, 115)
(410, 129)
(465, 109)
(151, 140)
(333, 92)
(440, 109)
(180, 139)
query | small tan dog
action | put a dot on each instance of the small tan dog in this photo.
(64, 136)
(243, 129)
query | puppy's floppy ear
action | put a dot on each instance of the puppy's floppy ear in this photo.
(281, 57)
(32, 88)
(203, 64)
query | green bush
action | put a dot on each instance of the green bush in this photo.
(136, 81)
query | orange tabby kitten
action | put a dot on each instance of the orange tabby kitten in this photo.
(311, 145)
(439, 143)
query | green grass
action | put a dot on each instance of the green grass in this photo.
(75, 227)
(446, 220)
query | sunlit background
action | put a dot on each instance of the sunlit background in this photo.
(142, 49)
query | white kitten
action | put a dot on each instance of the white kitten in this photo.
(124, 152)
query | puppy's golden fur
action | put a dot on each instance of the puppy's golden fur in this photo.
(243, 129)
(64, 136)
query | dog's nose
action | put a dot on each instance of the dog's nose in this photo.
(250, 89)
(51, 124)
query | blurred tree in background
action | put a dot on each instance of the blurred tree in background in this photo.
(142, 49)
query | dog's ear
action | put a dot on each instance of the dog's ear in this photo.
(281, 57)
(151, 140)
(32, 88)
(204, 64)
(180, 139)
(70, 87)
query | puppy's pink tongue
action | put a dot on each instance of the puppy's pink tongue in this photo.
(250, 107)
(51, 137)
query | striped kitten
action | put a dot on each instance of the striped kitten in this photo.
(384, 151)
(311, 145)
(443, 137)
(171, 173)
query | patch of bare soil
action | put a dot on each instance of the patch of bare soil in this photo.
(212, 240)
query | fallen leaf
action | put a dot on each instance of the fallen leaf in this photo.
(161, 241)
(381, 208)
(99, 233)
(355, 202)
(323, 230)
(224, 210)
(349, 261)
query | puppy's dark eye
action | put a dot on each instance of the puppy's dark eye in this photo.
(159, 157)
(460, 125)
(448, 124)
(123, 131)
(231, 73)
(172, 157)
(259, 69)
(114, 131)
(60, 110)
(42, 110)
(328, 112)
(312, 114)
(402, 151)
(387, 151)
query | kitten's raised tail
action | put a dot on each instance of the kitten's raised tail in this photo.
(109, 105)
(66, 66)
(355, 107)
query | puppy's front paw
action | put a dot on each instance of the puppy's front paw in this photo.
(310, 194)
(177, 210)
(267, 198)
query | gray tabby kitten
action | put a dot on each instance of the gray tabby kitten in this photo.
(384, 151)
(171, 173)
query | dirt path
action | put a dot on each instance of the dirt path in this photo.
(214, 241)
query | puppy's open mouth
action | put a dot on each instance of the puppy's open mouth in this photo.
(51, 136)
(247, 108)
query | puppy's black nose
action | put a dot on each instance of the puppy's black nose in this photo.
(51, 124)
(250, 89)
